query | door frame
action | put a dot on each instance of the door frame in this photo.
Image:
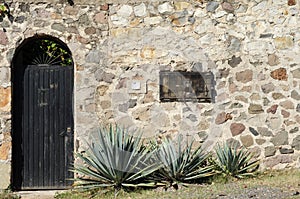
(18, 67)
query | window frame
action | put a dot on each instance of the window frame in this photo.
(182, 86)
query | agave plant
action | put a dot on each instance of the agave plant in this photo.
(182, 165)
(234, 161)
(116, 159)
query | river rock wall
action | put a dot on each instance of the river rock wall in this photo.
(250, 47)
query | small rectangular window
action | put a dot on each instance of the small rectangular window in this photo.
(185, 86)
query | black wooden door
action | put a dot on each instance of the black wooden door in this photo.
(47, 127)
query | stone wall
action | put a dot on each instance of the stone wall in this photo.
(251, 47)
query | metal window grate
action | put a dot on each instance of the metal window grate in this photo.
(185, 86)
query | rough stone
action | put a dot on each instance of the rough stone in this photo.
(275, 160)
(295, 95)
(125, 122)
(283, 42)
(266, 101)
(279, 74)
(100, 18)
(125, 11)
(277, 96)
(233, 142)
(149, 98)
(100, 75)
(160, 119)
(153, 20)
(5, 94)
(281, 138)
(3, 38)
(104, 7)
(222, 118)
(296, 73)
(255, 97)
(247, 89)
(24, 7)
(241, 98)
(234, 44)
(237, 128)
(227, 7)
(270, 151)
(265, 132)
(287, 104)
(273, 60)
(244, 76)
(141, 113)
(203, 125)
(70, 10)
(93, 56)
(255, 151)
(241, 117)
(101, 90)
(298, 108)
(286, 150)
(274, 122)
(90, 30)
(192, 117)
(132, 103)
(20, 19)
(292, 2)
(255, 109)
(106, 104)
(272, 109)
(247, 140)
(223, 73)
(260, 141)
(202, 136)
(236, 105)
(296, 143)
(294, 130)
(253, 131)
(222, 97)
(5, 175)
(285, 113)
(84, 20)
(267, 88)
(234, 61)
(212, 6)
(180, 6)
(140, 10)
(165, 8)
(5, 150)
(59, 27)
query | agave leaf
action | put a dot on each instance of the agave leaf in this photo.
(234, 161)
(115, 158)
(181, 164)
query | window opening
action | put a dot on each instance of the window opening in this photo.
(185, 86)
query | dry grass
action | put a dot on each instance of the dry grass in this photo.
(288, 181)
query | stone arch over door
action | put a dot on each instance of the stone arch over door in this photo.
(42, 114)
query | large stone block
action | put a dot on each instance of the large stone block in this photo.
(255, 109)
(3, 38)
(244, 76)
(283, 42)
(5, 150)
(237, 128)
(280, 138)
(4, 175)
(247, 140)
(5, 98)
(279, 74)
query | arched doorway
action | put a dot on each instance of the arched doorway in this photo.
(42, 114)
